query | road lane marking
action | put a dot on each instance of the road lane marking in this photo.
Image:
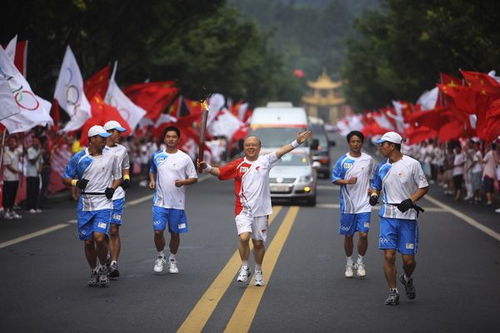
(33, 235)
(139, 200)
(243, 315)
(70, 222)
(199, 315)
(464, 217)
(427, 209)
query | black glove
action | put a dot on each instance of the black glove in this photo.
(418, 209)
(82, 183)
(405, 205)
(109, 192)
(125, 183)
(373, 199)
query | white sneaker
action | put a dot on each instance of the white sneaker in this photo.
(172, 268)
(259, 278)
(8, 216)
(349, 271)
(160, 262)
(244, 274)
(16, 215)
(39, 210)
(103, 279)
(360, 270)
(93, 282)
(497, 210)
(32, 211)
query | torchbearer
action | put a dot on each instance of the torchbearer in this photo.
(402, 182)
(97, 175)
(253, 198)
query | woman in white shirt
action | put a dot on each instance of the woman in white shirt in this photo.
(458, 171)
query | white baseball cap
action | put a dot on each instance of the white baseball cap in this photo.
(392, 137)
(113, 124)
(98, 130)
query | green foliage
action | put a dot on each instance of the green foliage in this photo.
(405, 46)
(203, 45)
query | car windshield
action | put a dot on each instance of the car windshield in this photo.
(294, 159)
(275, 137)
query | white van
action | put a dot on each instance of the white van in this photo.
(277, 123)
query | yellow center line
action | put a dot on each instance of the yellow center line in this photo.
(247, 307)
(202, 311)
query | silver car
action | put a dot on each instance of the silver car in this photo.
(294, 178)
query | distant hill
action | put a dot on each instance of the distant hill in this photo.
(309, 34)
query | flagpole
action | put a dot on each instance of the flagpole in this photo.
(1, 159)
(3, 146)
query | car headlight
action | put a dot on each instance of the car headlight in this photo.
(305, 179)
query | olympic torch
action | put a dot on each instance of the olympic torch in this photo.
(203, 127)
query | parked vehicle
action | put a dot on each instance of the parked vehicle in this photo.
(294, 178)
(321, 153)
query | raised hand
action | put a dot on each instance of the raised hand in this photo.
(303, 136)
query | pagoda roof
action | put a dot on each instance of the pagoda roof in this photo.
(324, 82)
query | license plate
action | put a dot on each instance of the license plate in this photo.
(279, 188)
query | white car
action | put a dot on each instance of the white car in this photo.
(294, 178)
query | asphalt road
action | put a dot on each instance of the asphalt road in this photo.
(43, 278)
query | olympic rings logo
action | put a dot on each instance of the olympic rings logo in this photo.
(72, 94)
(25, 99)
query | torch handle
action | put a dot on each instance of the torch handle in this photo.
(203, 127)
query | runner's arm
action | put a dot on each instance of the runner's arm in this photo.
(419, 194)
(116, 183)
(152, 180)
(346, 181)
(214, 171)
(187, 181)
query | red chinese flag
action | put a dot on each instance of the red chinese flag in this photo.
(153, 97)
(101, 113)
(447, 82)
(451, 131)
(488, 124)
(450, 80)
(428, 118)
(55, 115)
(419, 134)
(482, 83)
(21, 57)
(97, 84)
